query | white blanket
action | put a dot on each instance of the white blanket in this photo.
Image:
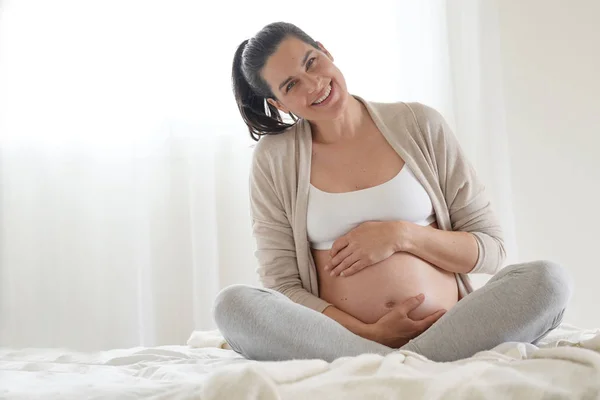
(567, 365)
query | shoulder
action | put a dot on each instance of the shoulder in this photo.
(273, 156)
(416, 119)
(416, 112)
(406, 112)
(271, 170)
(272, 147)
(426, 116)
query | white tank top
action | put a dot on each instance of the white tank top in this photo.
(332, 215)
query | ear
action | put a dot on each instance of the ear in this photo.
(278, 105)
(324, 50)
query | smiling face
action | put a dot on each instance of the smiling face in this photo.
(305, 81)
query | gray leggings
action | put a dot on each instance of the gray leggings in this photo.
(522, 303)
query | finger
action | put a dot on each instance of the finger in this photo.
(348, 261)
(426, 322)
(338, 245)
(351, 259)
(341, 256)
(354, 268)
(412, 303)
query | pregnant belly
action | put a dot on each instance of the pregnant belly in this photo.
(372, 292)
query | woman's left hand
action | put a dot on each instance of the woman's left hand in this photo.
(365, 245)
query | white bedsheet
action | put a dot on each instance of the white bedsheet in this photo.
(566, 366)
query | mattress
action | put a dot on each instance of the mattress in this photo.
(566, 364)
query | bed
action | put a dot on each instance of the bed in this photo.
(565, 365)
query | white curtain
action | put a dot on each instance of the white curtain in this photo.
(124, 162)
(477, 105)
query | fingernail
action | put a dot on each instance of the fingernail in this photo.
(331, 274)
(342, 274)
(327, 268)
(421, 296)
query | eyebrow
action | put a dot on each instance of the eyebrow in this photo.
(303, 64)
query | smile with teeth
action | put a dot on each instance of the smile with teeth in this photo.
(325, 96)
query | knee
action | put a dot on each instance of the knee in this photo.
(552, 281)
(230, 304)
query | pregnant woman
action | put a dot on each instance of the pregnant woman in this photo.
(368, 219)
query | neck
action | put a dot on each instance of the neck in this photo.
(346, 127)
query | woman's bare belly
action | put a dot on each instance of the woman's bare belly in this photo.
(372, 292)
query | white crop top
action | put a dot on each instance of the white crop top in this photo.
(332, 215)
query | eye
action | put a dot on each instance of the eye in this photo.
(290, 86)
(310, 62)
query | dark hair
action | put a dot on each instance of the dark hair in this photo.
(250, 89)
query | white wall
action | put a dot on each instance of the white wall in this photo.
(551, 67)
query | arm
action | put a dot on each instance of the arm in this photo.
(451, 251)
(349, 322)
(276, 254)
(275, 246)
(469, 207)
(394, 329)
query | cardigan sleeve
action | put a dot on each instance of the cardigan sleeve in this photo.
(275, 246)
(465, 195)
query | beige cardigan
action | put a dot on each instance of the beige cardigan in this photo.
(279, 184)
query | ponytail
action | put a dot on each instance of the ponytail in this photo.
(260, 120)
(250, 90)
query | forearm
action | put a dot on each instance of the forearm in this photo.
(354, 325)
(448, 250)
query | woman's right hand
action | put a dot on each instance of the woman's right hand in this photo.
(395, 328)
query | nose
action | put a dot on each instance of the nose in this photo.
(314, 84)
